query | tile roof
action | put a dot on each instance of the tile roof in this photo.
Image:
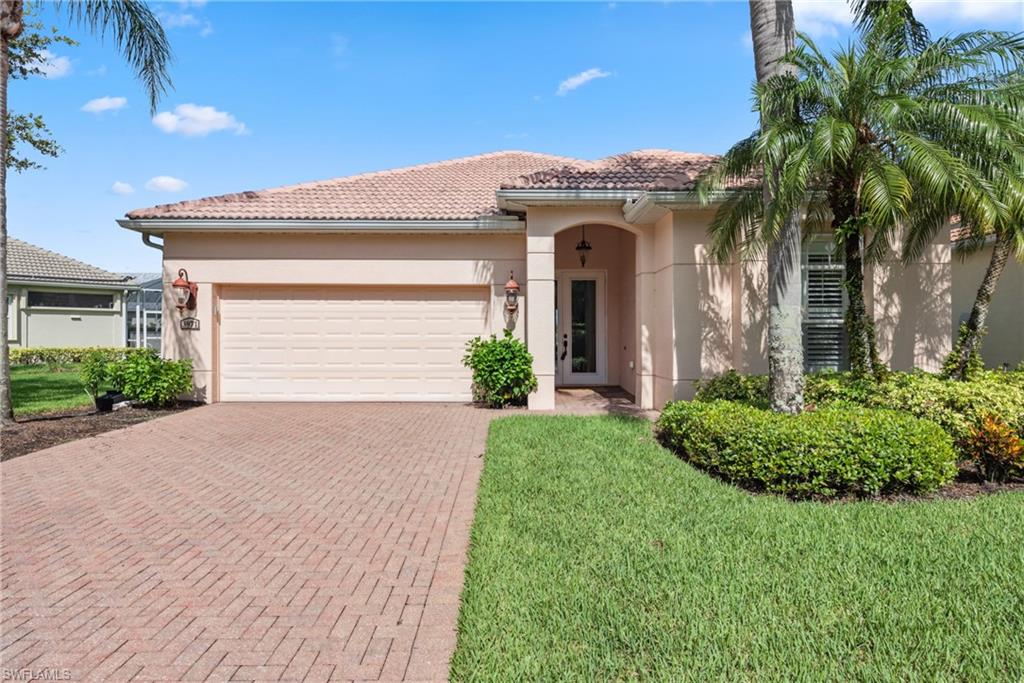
(645, 169)
(28, 262)
(446, 190)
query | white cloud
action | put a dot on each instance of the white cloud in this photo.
(52, 66)
(830, 18)
(822, 18)
(102, 104)
(970, 10)
(193, 120)
(580, 79)
(179, 20)
(166, 183)
(122, 188)
(99, 71)
(747, 41)
(339, 44)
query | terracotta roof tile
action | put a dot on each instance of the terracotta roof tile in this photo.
(645, 169)
(28, 262)
(447, 190)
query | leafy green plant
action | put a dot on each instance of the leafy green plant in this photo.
(94, 371)
(822, 453)
(502, 370)
(951, 365)
(996, 449)
(154, 381)
(732, 386)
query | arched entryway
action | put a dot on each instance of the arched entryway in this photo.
(595, 307)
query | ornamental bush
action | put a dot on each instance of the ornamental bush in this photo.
(95, 371)
(996, 449)
(957, 407)
(502, 370)
(822, 453)
(151, 380)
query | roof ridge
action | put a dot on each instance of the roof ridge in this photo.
(387, 172)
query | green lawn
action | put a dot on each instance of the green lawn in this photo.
(598, 555)
(42, 389)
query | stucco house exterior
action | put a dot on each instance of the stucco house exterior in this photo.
(367, 287)
(54, 300)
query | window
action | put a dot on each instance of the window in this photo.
(70, 300)
(824, 308)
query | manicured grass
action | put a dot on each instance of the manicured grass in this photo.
(42, 389)
(598, 555)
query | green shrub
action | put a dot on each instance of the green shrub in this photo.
(996, 449)
(732, 386)
(957, 407)
(94, 372)
(827, 452)
(153, 381)
(67, 355)
(502, 370)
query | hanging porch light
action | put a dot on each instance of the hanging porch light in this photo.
(583, 247)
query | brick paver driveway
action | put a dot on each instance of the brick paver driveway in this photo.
(246, 542)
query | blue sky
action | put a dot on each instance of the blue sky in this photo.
(269, 94)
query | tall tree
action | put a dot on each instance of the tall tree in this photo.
(139, 38)
(880, 131)
(774, 36)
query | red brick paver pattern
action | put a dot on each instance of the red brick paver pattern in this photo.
(243, 542)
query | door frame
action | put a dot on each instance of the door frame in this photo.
(563, 372)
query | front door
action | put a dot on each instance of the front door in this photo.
(581, 328)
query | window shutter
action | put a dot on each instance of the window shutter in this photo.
(824, 308)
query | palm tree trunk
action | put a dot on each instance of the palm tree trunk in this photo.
(970, 343)
(860, 329)
(10, 28)
(773, 34)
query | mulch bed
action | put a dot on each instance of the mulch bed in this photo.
(967, 485)
(36, 432)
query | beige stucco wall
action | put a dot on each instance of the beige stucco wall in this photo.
(912, 307)
(220, 259)
(1004, 343)
(50, 327)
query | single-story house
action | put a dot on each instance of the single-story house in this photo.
(368, 287)
(55, 300)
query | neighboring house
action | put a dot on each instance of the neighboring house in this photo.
(55, 300)
(144, 311)
(1003, 345)
(367, 287)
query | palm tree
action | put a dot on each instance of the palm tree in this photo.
(876, 149)
(774, 36)
(139, 38)
(1008, 236)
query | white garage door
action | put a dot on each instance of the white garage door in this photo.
(348, 344)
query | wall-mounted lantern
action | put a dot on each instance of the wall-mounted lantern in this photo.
(583, 247)
(184, 291)
(511, 293)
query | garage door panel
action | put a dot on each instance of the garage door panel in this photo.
(348, 344)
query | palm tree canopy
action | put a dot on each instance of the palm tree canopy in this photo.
(904, 135)
(137, 33)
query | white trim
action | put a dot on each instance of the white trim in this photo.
(66, 284)
(563, 371)
(521, 199)
(488, 224)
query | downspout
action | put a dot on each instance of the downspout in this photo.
(147, 239)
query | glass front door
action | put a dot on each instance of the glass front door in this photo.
(580, 322)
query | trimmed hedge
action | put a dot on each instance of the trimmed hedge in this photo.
(67, 354)
(957, 407)
(823, 453)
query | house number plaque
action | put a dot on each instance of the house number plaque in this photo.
(190, 323)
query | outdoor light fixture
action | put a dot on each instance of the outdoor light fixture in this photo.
(512, 293)
(184, 291)
(583, 247)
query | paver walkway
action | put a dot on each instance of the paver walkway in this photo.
(243, 541)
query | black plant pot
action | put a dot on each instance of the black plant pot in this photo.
(105, 402)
